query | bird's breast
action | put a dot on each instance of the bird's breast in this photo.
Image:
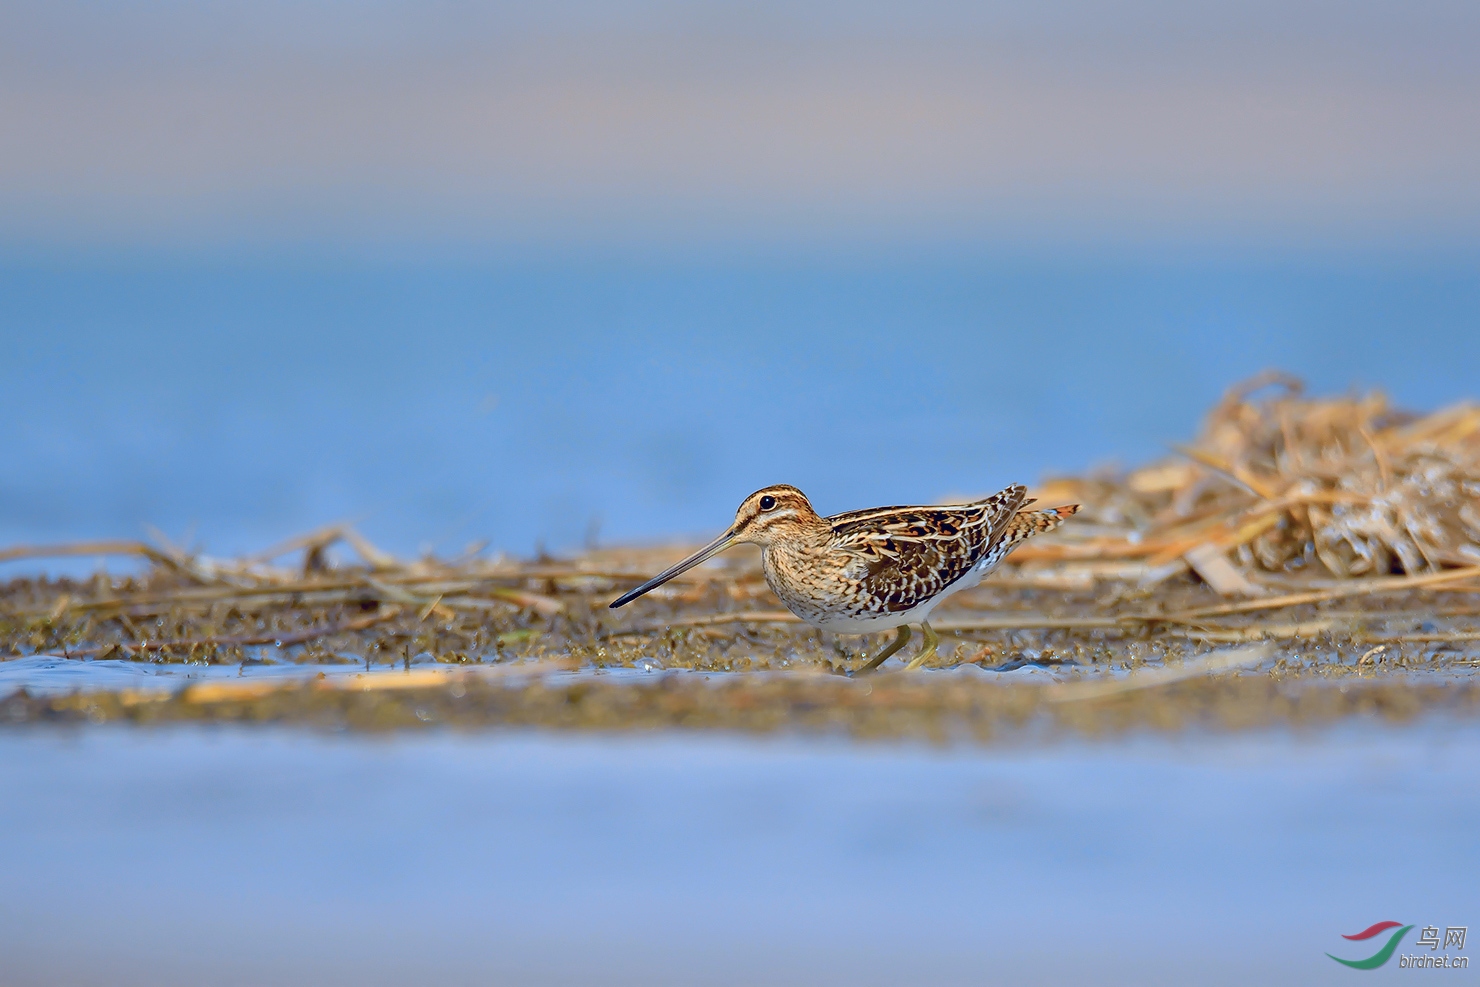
(821, 587)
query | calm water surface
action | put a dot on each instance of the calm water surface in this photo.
(554, 400)
(243, 857)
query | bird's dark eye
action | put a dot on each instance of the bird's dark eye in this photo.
(768, 502)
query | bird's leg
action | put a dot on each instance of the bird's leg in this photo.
(930, 642)
(900, 640)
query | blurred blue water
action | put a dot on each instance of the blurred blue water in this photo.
(553, 398)
(261, 856)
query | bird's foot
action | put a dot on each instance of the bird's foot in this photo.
(931, 641)
(901, 638)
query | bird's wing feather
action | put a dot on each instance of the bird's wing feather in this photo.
(905, 555)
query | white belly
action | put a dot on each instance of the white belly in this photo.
(869, 623)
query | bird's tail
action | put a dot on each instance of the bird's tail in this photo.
(1026, 524)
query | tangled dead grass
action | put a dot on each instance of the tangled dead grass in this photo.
(1288, 486)
(1346, 529)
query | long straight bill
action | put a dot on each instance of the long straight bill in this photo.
(704, 554)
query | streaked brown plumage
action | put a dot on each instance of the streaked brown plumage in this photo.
(878, 569)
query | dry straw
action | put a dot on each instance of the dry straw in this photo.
(1282, 506)
(1281, 487)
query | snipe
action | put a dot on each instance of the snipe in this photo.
(873, 570)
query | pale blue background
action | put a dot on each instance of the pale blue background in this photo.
(539, 401)
(536, 273)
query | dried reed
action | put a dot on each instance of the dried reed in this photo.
(1282, 507)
